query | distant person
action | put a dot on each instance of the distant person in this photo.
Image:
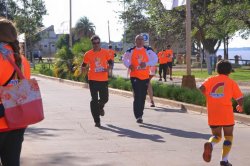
(97, 59)
(162, 59)
(112, 55)
(169, 55)
(152, 73)
(10, 139)
(219, 58)
(138, 59)
(40, 58)
(219, 91)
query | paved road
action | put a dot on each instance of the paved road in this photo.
(120, 70)
(169, 137)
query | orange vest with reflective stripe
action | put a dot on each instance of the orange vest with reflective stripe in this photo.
(6, 71)
(138, 56)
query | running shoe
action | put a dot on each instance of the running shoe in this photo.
(139, 120)
(207, 154)
(225, 163)
(102, 112)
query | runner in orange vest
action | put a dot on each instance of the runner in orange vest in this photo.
(138, 59)
(169, 55)
(162, 59)
(98, 60)
(10, 139)
(112, 55)
(219, 91)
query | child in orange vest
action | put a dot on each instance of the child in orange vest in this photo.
(219, 90)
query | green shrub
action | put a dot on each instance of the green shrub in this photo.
(246, 104)
(46, 71)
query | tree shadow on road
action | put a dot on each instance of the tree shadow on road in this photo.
(63, 158)
(133, 134)
(42, 133)
(176, 132)
(163, 109)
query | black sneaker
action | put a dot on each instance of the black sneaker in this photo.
(225, 163)
(165, 80)
(97, 124)
(152, 104)
(102, 112)
(139, 120)
(171, 78)
(160, 79)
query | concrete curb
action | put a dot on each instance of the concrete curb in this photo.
(183, 106)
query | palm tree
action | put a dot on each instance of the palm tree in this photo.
(83, 28)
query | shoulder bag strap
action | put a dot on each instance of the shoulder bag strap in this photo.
(19, 73)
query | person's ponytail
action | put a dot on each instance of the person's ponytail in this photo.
(16, 49)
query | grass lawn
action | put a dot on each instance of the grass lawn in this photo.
(38, 66)
(238, 75)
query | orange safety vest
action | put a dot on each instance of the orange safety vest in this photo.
(162, 57)
(111, 54)
(139, 55)
(169, 55)
(6, 71)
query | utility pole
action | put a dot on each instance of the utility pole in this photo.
(188, 37)
(6, 9)
(70, 24)
(125, 22)
(109, 32)
(188, 80)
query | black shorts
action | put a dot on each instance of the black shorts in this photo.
(212, 127)
(169, 64)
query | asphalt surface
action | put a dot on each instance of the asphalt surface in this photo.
(168, 136)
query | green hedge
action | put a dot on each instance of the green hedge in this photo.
(173, 92)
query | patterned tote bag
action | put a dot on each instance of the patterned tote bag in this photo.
(22, 102)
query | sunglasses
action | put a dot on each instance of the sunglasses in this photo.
(95, 43)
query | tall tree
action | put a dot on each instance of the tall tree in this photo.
(27, 15)
(212, 21)
(84, 28)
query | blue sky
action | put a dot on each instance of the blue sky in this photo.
(99, 12)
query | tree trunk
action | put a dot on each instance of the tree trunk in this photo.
(210, 53)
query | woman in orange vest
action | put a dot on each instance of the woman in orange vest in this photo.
(10, 139)
(138, 59)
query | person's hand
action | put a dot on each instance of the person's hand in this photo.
(131, 67)
(142, 65)
(239, 108)
(106, 69)
(84, 70)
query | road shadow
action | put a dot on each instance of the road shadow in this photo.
(63, 158)
(132, 134)
(42, 133)
(163, 109)
(176, 132)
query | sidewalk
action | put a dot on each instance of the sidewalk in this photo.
(169, 136)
